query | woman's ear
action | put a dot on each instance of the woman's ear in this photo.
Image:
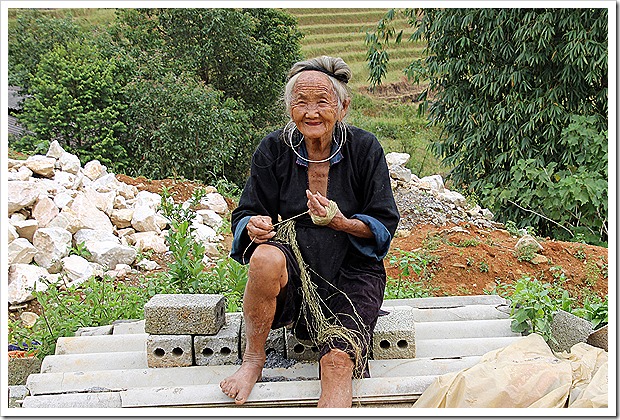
(345, 108)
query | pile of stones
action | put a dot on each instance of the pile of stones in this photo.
(56, 205)
(427, 201)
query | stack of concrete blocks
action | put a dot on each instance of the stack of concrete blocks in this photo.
(394, 335)
(187, 329)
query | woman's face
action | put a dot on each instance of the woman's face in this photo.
(314, 106)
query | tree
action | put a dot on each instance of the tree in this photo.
(511, 86)
(242, 53)
(31, 36)
(76, 100)
(181, 127)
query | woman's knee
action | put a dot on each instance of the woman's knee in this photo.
(268, 262)
(337, 361)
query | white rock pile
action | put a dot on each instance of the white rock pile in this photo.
(55, 205)
(427, 201)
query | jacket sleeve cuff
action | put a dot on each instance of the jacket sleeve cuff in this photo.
(240, 241)
(376, 247)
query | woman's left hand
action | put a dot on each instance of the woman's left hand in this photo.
(317, 204)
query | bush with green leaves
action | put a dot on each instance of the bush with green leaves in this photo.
(411, 265)
(31, 36)
(188, 272)
(178, 126)
(518, 92)
(76, 99)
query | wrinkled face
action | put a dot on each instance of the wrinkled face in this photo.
(314, 106)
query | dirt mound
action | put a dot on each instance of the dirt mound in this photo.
(402, 91)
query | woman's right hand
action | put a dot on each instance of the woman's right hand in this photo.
(260, 229)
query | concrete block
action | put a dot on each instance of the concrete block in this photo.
(94, 361)
(297, 350)
(221, 348)
(169, 351)
(101, 344)
(19, 368)
(568, 330)
(394, 335)
(92, 331)
(275, 341)
(179, 314)
(90, 400)
(128, 327)
(599, 338)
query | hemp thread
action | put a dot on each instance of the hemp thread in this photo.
(320, 328)
(332, 209)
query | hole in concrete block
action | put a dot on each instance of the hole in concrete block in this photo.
(270, 350)
(159, 352)
(314, 349)
(177, 351)
(225, 351)
(207, 352)
(402, 344)
(299, 348)
(384, 344)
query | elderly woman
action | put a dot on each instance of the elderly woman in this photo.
(332, 180)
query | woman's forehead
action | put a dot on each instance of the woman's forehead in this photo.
(313, 82)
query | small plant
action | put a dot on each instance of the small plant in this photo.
(532, 307)
(187, 271)
(592, 273)
(483, 267)
(499, 288)
(466, 242)
(594, 310)
(469, 261)
(229, 278)
(512, 228)
(144, 255)
(80, 250)
(526, 253)
(580, 254)
(408, 264)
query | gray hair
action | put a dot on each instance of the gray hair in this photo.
(335, 65)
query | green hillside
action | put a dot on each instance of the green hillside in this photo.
(341, 33)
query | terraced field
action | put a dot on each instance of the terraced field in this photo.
(341, 32)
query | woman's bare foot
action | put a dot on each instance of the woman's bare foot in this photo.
(240, 384)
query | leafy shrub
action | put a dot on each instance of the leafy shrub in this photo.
(533, 304)
(75, 100)
(410, 263)
(180, 126)
(521, 96)
(594, 310)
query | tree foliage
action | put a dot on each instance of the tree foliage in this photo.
(512, 86)
(30, 37)
(76, 99)
(159, 92)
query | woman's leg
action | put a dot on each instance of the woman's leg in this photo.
(336, 379)
(267, 276)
